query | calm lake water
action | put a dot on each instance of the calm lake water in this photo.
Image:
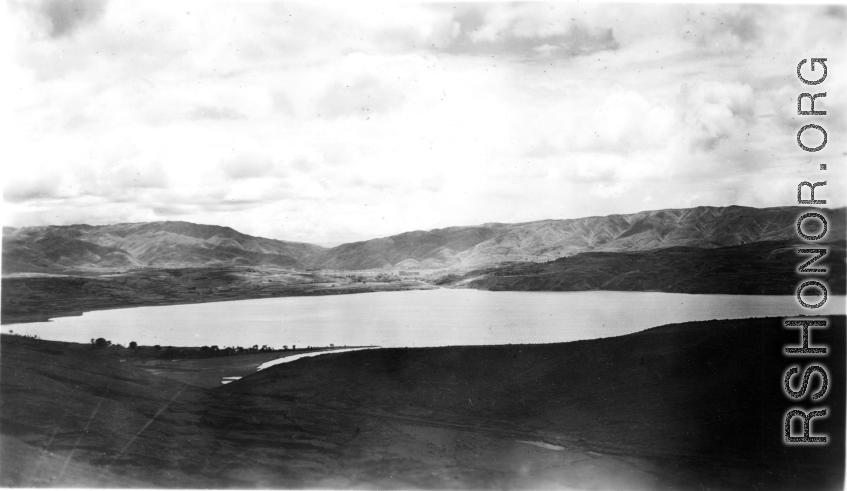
(411, 318)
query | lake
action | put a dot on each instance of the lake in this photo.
(411, 318)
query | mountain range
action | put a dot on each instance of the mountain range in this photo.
(139, 245)
(183, 244)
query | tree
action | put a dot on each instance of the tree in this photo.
(102, 343)
(133, 345)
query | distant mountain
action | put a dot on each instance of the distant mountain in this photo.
(183, 244)
(477, 246)
(133, 245)
(49, 251)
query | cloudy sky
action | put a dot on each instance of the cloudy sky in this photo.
(330, 123)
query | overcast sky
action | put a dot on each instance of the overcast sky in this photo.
(329, 123)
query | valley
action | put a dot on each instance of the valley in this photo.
(759, 268)
(661, 408)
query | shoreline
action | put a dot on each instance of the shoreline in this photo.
(23, 299)
(29, 319)
(209, 372)
(28, 299)
(407, 319)
(39, 297)
(638, 411)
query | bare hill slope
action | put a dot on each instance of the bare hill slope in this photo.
(183, 244)
(156, 244)
(475, 246)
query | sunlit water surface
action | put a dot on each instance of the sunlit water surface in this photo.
(412, 318)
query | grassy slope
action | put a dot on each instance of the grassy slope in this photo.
(692, 397)
(688, 406)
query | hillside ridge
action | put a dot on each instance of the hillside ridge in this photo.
(174, 244)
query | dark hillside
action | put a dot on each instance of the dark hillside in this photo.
(759, 268)
(688, 406)
(702, 401)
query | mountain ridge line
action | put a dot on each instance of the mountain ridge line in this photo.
(186, 244)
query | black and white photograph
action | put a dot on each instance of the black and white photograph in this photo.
(259, 244)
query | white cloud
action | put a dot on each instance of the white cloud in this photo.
(247, 165)
(57, 18)
(331, 123)
(714, 111)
